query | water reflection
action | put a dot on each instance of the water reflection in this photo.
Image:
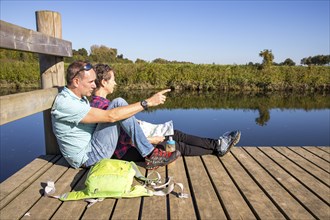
(260, 102)
(10, 90)
(264, 116)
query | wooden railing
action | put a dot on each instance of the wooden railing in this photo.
(47, 42)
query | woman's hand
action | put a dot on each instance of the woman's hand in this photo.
(156, 139)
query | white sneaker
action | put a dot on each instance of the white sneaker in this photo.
(227, 141)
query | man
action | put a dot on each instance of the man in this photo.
(86, 135)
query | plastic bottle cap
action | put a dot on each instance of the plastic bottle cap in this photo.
(170, 140)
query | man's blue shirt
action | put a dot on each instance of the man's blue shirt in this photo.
(72, 136)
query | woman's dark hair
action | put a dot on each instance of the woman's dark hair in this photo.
(102, 72)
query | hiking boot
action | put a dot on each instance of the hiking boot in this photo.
(160, 158)
(226, 142)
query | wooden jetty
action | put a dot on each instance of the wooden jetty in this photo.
(248, 183)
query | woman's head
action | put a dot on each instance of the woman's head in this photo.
(105, 77)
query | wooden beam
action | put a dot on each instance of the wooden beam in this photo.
(16, 106)
(51, 69)
(18, 38)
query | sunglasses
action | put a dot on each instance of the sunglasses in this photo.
(86, 67)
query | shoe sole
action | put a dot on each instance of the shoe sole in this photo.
(152, 168)
(156, 167)
(236, 140)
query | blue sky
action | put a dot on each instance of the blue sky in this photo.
(220, 32)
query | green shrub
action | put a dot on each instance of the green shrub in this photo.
(194, 76)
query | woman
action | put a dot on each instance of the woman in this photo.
(188, 145)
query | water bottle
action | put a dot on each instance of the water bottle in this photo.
(170, 144)
(170, 147)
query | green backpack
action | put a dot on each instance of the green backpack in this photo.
(110, 178)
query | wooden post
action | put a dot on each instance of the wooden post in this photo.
(51, 70)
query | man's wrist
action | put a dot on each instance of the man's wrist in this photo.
(144, 104)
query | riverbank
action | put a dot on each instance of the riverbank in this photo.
(12, 88)
(192, 77)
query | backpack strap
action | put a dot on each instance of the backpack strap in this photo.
(93, 201)
(50, 190)
(159, 190)
(145, 180)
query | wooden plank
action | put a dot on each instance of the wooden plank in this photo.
(20, 205)
(16, 106)
(325, 148)
(180, 208)
(305, 197)
(46, 206)
(305, 178)
(73, 209)
(303, 159)
(19, 38)
(127, 209)
(122, 211)
(202, 191)
(21, 176)
(100, 210)
(262, 206)
(155, 207)
(319, 152)
(26, 183)
(232, 200)
(283, 200)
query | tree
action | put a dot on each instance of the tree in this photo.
(82, 52)
(267, 56)
(306, 61)
(120, 59)
(288, 62)
(316, 60)
(160, 60)
(140, 61)
(103, 54)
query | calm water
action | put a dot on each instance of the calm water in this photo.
(265, 120)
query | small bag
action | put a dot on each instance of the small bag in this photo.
(111, 178)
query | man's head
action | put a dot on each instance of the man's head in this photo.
(81, 78)
(105, 77)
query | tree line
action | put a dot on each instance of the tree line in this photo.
(21, 69)
(268, 60)
(104, 54)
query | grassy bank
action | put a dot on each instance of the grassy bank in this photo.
(223, 77)
(193, 77)
(19, 75)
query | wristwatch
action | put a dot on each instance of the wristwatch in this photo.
(144, 104)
